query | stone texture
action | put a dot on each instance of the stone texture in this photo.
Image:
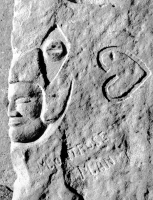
(5, 193)
(7, 176)
(87, 133)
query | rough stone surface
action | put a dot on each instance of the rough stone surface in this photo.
(7, 176)
(80, 99)
(5, 193)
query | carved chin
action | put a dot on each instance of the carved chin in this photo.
(28, 132)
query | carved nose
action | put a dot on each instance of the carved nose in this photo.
(12, 112)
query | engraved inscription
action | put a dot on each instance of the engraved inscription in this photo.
(91, 145)
(100, 165)
(96, 166)
(46, 163)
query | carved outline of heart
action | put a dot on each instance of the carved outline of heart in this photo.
(113, 78)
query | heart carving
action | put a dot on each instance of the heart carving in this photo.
(125, 73)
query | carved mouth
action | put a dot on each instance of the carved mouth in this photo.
(15, 121)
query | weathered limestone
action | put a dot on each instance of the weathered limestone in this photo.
(80, 90)
(5, 193)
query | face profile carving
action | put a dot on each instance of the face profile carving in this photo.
(24, 110)
(37, 67)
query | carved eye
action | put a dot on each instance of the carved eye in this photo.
(23, 100)
(56, 50)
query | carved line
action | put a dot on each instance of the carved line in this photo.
(102, 3)
(97, 166)
(140, 82)
(67, 46)
(94, 144)
(100, 165)
(145, 66)
(99, 53)
(64, 107)
(50, 129)
(43, 68)
(48, 164)
(51, 29)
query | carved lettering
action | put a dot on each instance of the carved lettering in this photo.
(97, 140)
(103, 137)
(96, 166)
(101, 166)
(92, 144)
(100, 139)
(93, 167)
(48, 162)
(110, 161)
(71, 154)
(80, 168)
(82, 148)
(76, 151)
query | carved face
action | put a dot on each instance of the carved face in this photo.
(24, 109)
